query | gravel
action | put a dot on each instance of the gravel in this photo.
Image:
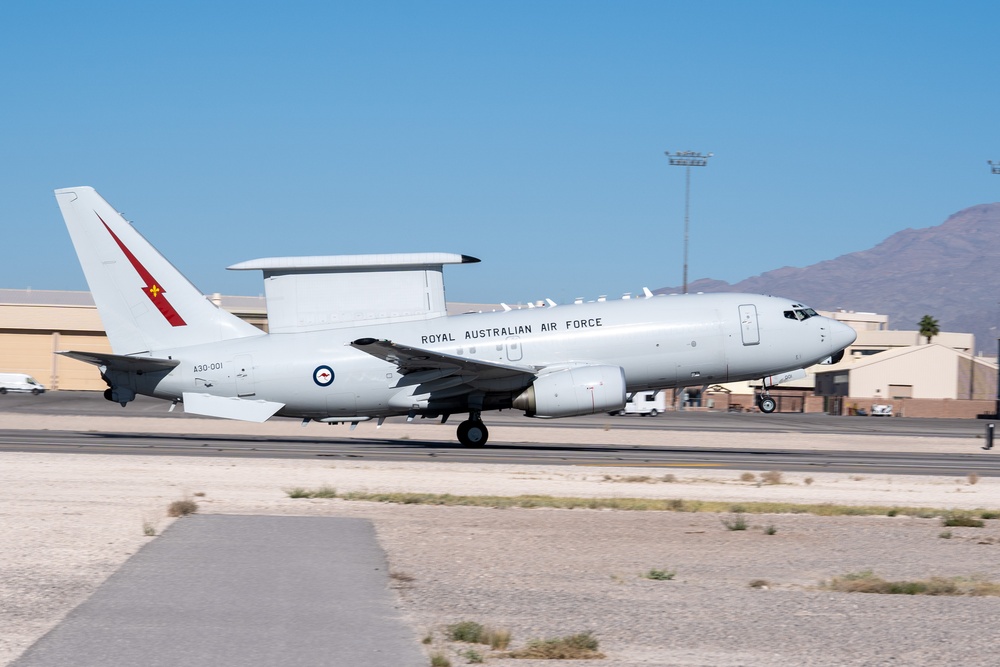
(68, 521)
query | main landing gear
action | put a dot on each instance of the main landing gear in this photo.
(473, 432)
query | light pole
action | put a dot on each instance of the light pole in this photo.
(995, 168)
(687, 159)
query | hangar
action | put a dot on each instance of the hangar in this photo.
(35, 324)
(917, 371)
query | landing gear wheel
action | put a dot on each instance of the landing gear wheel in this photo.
(473, 433)
(3, 390)
(767, 404)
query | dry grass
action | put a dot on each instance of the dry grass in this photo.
(322, 492)
(182, 507)
(582, 646)
(771, 477)
(867, 582)
(629, 504)
(748, 477)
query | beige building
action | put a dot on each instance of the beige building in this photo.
(35, 324)
(917, 371)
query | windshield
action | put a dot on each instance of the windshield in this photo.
(800, 314)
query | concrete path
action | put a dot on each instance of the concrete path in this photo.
(241, 591)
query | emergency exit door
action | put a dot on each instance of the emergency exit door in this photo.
(748, 324)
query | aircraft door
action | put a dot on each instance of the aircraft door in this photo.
(748, 324)
(244, 375)
(514, 352)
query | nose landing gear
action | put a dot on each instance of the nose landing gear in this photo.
(766, 404)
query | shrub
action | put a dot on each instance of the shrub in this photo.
(659, 575)
(735, 522)
(473, 656)
(961, 519)
(973, 477)
(760, 583)
(440, 660)
(770, 529)
(748, 477)
(466, 631)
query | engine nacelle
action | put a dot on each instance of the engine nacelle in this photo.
(584, 390)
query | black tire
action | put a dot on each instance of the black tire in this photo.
(654, 412)
(35, 392)
(767, 405)
(473, 433)
(3, 390)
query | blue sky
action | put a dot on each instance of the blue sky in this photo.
(529, 134)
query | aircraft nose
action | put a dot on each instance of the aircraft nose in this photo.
(841, 335)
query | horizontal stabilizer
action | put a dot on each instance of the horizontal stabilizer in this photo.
(118, 362)
(229, 407)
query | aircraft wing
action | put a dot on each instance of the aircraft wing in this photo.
(413, 359)
(118, 362)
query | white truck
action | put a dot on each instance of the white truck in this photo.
(645, 403)
(21, 383)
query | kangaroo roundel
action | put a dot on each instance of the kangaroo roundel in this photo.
(323, 376)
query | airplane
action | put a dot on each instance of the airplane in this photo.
(359, 337)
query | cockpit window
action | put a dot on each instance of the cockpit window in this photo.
(800, 314)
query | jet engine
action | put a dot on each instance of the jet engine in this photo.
(583, 390)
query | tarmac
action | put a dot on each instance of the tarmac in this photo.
(241, 591)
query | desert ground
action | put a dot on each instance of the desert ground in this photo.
(70, 520)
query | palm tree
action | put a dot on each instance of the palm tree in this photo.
(929, 328)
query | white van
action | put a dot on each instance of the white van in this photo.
(645, 403)
(20, 382)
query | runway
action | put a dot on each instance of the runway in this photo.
(667, 430)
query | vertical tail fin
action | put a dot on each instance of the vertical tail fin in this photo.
(144, 302)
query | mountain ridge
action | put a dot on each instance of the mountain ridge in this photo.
(946, 271)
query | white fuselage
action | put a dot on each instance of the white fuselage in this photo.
(660, 342)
